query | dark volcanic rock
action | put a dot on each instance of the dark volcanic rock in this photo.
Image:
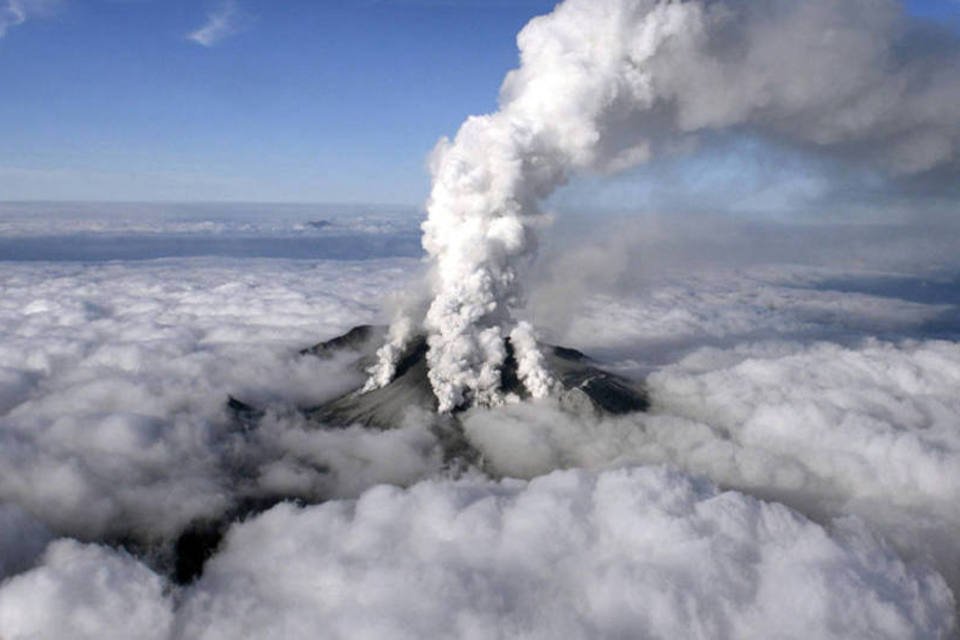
(584, 385)
(384, 407)
(182, 557)
(360, 338)
(244, 414)
(194, 547)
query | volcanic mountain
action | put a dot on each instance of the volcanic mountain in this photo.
(583, 386)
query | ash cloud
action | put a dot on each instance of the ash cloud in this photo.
(606, 85)
(651, 286)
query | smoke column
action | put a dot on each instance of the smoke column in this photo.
(604, 85)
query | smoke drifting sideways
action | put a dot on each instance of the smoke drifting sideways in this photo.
(604, 85)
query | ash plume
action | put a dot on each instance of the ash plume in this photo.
(604, 85)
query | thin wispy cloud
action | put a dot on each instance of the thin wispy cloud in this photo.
(222, 22)
(13, 13)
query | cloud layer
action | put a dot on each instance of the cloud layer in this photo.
(806, 384)
(114, 381)
(869, 431)
(574, 553)
(86, 592)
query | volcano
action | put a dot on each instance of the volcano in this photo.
(584, 387)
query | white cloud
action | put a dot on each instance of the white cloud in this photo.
(224, 21)
(13, 13)
(831, 431)
(174, 222)
(113, 379)
(607, 83)
(86, 592)
(573, 555)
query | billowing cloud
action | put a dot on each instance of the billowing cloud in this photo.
(222, 22)
(828, 430)
(576, 554)
(121, 371)
(114, 381)
(803, 382)
(573, 554)
(86, 592)
(608, 84)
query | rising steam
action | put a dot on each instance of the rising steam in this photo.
(604, 85)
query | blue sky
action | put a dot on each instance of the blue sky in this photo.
(293, 100)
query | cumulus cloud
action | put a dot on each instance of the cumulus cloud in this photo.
(120, 371)
(829, 430)
(86, 592)
(113, 430)
(222, 22)
(115, 378)
(577, 553)
(572, 554)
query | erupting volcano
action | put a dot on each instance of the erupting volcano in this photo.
(604, 85)
(579, 384)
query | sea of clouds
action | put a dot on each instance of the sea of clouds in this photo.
(797, 476)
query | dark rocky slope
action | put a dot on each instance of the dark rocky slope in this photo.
(585, 387)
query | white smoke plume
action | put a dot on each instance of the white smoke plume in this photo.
(607, 84)
(530, 367)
